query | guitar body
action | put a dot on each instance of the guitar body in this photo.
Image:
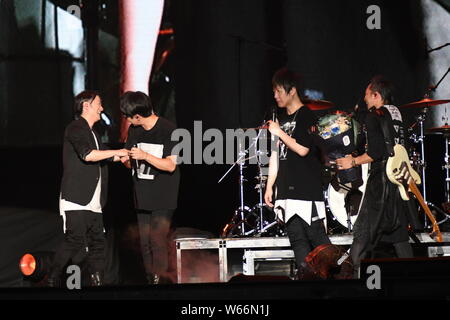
(399, 170)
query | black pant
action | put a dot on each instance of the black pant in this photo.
(83, 228)
(304, 237)
(362, 242)
(154, 227)
(382, 217)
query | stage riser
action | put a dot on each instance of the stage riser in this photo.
(225, 258)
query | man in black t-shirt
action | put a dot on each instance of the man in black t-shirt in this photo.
(383, 214)
(295, 170)
(155, 178)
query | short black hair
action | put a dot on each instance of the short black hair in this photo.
(384, 87)
(287, 79)
(135, 102)
(82, 97)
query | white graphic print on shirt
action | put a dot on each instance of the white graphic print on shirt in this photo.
(144, 169)
(289, 128)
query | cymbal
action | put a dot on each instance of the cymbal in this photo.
(316, 105)
(427, 102)
(444, 129)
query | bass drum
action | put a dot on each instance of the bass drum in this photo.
(344, 199)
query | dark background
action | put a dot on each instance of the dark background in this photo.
(225, 54)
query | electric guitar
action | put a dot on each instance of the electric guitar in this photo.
(400, 172)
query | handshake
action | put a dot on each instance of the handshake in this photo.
(125, 155)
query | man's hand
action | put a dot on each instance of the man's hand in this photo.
(345, 163)
(122, 153)
(137, 154)
(274, 128)
(268, 197)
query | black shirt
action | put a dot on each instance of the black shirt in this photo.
(376, 147)
(80, 177)
(154, 189)
(299, 177)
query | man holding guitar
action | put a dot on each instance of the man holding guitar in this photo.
(383, 213)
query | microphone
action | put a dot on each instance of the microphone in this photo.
(274, 114)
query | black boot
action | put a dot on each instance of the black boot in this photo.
(96, 279)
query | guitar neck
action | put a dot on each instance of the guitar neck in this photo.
(414, 189)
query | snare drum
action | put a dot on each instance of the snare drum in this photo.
(337, 200)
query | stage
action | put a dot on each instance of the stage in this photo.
(275, 249)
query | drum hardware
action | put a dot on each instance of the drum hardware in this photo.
(445, 131)
(425, 103)
(420, 139)
(238, 219)
(341, 200)
(248, 221)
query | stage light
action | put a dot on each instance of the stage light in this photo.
(35, 266)
(27, 264)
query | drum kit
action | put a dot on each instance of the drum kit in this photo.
(342, 200)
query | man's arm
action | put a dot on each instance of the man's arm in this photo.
(79, 138)
(273, 172)
(168, 164)
(99, 155)
(349, 161)
(290, 142)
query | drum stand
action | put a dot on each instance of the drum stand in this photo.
(422, 163)
(263, 225)
(239, 219)
(446, 167)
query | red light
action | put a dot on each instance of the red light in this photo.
(27, 264)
